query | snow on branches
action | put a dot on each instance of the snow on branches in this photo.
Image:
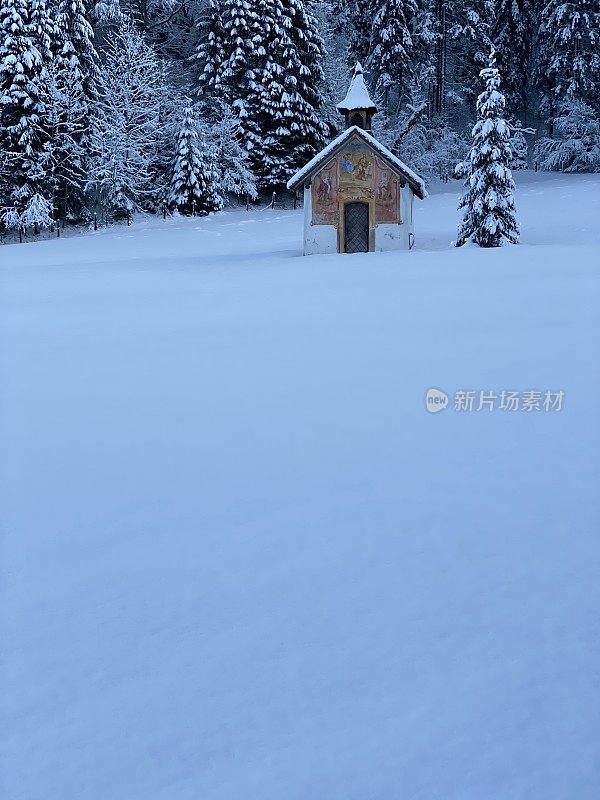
(488, 202)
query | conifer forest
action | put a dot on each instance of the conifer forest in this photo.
(118, 106)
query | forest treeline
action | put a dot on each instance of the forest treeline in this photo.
(122, 105)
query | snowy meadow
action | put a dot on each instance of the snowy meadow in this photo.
(239, 557)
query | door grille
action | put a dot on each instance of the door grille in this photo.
(356, 228)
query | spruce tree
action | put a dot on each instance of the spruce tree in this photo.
(235, 175)
(575, 146)
(23, 83)
(234, 35)
(513, 31)
(392, 46)
(568, 54)
(518, 146)
(360, 22)
(194, 184)
(235, 38)
(462, 48)
(75, 75)
(78, 51)
(43, 28)
(488, 203)
(263, 59)
(290, 100)
(211, 53)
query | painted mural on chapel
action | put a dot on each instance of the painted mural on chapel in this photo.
(356, 174)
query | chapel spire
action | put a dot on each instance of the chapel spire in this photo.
(357, 107)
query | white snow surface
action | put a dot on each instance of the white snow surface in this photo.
(240, 560)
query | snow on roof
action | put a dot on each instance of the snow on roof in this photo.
(416, 183)
(357, 95)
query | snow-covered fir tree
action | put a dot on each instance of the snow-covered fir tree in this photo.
(235, 38)
(38, 214)
(488, 204)
(513, 31)
(392, 47)
(125, 130)
(108, 14)
(43, 27)
(66, 123)
(463, 41)
(568, 54)
(73, 88)
(290, 99)
(194, 187)
(235, 176)
(23, 84)
(263, 58)
(212, 52)
(360, 24)
(77, 49)
(518, 146)
(575, 146)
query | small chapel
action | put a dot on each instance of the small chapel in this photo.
(358, 196)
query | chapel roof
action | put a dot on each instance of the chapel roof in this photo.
(415, 181)
(357, 96)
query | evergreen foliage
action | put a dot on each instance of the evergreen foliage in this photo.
(576, 145)
(392, 46)
(23, 85)
(85, 125)
(568, 53)
(488, 203)
(194, 187)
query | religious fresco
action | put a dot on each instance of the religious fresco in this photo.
(355, 174)
(325, 209)
(387, 194)
(356, 166)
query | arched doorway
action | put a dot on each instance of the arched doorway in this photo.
(356, 228)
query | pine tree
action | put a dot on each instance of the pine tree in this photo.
(211, 53)
(360, 23)
(513, 31)
(290, 130)
(194, 184)
(43, 28)
(232, 48)
(488, 203)
(263, 59)
(518, 146)
(568, 54)
(392, 46)
(37, 213)
(463, 44)
(66, 124)
(234, 42)
(235, 175)
(74, 78)
(576, 143)
(78, 51)
(108, 14)
(23, 78)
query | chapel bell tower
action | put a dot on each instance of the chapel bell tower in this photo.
(357, 107)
